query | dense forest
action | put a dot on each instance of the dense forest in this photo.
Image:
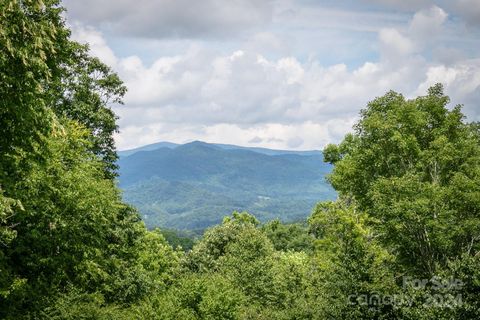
(192, 186)
(401, 241)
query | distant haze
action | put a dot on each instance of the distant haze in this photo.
(193, 186)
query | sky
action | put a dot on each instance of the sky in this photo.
(281, 74)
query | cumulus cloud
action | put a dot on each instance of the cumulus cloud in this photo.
(427, 24)
(393, 43)
(255, 140)
(96, 42)
(243, 97)
(166, 18)
(468, 9)
(424, 28)
(462, 83)
(406, 5)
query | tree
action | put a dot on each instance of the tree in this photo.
(8, 283)
(70, 224)
(214, 244)
(414, 166)
(32, 38)
(44, 73)
(285, 237)
(353, 271)
(30, 34)
(62, 222)
(84, 94)
(194, 296)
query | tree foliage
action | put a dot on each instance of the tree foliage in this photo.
(414, 166)
(62, 221)
(408, 178)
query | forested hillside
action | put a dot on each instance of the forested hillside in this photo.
(401, 242)
(192, 186)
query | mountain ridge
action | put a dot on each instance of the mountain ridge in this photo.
(171, 145)
(194, 185)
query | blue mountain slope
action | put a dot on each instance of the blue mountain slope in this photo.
(149, 147)
(194, 185)
(170, 145)
(270, 152)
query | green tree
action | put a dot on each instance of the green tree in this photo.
(8, 282)
(72, 222)
(87, 90)
(80, 305)
(194, 296)
(32, 36)
(179, 238)
(44, 73)
(291, 236)
(414, 166)
(274, 283)
(214, 244)
(353, 271)
(62, 222)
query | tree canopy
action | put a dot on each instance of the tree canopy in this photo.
(414, 166)
(406, 223)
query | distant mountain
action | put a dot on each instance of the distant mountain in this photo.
(195, 185)
(148, 147)
(270, 152)
(170, 145)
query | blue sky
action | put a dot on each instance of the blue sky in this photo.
(275, 73)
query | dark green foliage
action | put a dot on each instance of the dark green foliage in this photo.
(30, 34)
(240, 253)
(215, 241)
(87, 89)
(350, 264)
(42, 71)
(289, 237)
(467, 269)
(88, 306)
(414, 166)
(180, 239)
(408, 178)
(65, 234)
(57, 216)
(195, 297)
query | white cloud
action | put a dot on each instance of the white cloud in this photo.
(97, 44)
(395, 44)
(462, 84)
(469, 9)
(167, 19)
(410, 5)
(243, 97)
(466, 10)
(427, 24)
(424, 28)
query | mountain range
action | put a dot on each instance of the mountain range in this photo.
(194, 185)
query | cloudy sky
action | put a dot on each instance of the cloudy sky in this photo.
(275, 73)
